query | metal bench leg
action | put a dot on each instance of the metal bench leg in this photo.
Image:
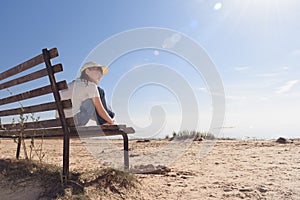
(126, 158)
(18, 148)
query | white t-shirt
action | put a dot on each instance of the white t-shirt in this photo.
(78, 91)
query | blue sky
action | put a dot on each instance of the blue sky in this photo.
(253, 43)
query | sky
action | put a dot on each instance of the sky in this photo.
(253, 45)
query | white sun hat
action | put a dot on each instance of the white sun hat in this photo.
(94, 64)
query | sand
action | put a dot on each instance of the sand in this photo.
(232, 169)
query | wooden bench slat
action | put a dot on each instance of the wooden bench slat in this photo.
(57, 132)
(108, 130)
(38, 124)
(70, 121)
(129, 130)
(36, 108)
(32, 76)
(33, 93)
(102, 127)
(27, 64)
(87, 129)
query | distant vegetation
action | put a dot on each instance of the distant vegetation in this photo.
(195, 135)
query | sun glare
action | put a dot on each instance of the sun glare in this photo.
(266, 15)
(256, 5)
(218, 6)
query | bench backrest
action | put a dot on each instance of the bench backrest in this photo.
(28, 74)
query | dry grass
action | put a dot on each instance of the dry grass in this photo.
(17, 173)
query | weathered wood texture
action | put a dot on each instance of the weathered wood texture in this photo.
(33, 93)
(35, 108)
(37, 125)
(82, 132)
(27, 64)
(33, 76)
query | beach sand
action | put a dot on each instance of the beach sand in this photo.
(232, 169)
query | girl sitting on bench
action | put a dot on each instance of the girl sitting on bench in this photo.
(87, 98)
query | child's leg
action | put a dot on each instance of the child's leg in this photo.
(100, 120)
(87, 111)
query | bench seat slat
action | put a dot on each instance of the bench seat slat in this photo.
(27, 64)
(36, 108)
(55, 123)
(103, 127)
(33, 93)
(93, 131)
(33, 76)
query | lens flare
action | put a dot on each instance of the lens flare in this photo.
(218, 6)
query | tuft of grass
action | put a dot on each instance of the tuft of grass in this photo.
(112, 179)
(21, 169)
(209, 136)
(18, 171)
(195, 135)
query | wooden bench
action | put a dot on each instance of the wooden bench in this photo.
(51, 128)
